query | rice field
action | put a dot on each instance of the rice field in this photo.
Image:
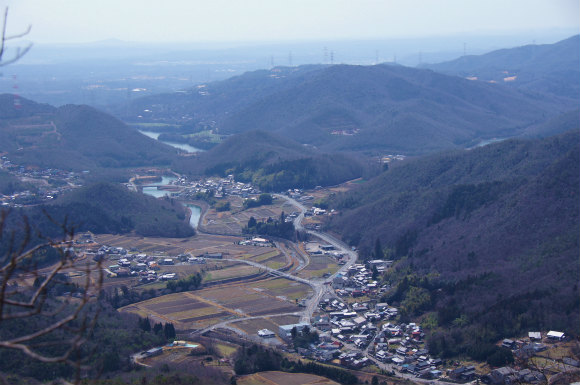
(202, 308)
(281, 378)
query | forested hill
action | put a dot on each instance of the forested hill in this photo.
(73, 137)
(548, 68)
(490, 226)
(373, 109)
(274, 163)
(107, 208)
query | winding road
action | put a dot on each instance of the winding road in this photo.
(319, 287)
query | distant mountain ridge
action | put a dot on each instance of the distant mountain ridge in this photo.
(549, 68)
(374, 109)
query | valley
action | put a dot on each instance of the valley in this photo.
(320, 223)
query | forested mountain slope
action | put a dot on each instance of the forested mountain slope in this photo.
(370, 109)
(274, 163)
(496, 228)
(73, 137)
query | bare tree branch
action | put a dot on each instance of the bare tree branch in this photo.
(21, 299)
(20, 51)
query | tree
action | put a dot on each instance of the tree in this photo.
(157, 328)
(4, 38)
(45, 316)
(169, 331)
(378, 252)
(47, 307)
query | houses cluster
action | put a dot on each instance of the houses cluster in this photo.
(221, 187)
(358, 281)
(357, 334)
(49, 183)
(507, 375)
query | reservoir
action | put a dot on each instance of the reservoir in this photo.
(165, 180)
(153, 191)
(182, 146)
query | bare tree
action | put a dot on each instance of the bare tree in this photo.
(28, 292)
(4, 39)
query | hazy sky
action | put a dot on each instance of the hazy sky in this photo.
(265, 20)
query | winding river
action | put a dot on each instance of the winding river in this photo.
(152, 190)
(182, 146)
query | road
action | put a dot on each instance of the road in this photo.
(320, 287)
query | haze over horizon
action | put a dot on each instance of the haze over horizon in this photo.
(65, 21)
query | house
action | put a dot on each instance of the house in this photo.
(153, 352)
(381, 355)
(285, 331)
(535, 336)
(464, 373)
(339, 281)
(359, 307)
(500, 375)
(322, 323)
(359, 321)
(381, 306)
(555, 336)
(265, 333)
(507, 343)
(168, 276)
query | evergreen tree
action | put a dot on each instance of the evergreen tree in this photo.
(378, 253)
(169, 331)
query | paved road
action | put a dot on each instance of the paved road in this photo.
(320, 287)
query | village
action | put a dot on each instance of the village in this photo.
(43, 185)
(349, 327)
(347, 324)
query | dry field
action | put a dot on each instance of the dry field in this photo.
(318, 266)
(180, 360)
(202, 308)
(281, 378)
(237, 270)
(197, 245)
(252, 326)
(285, 319)
(271, 258)
(232, 222)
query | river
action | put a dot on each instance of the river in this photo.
(182, 146)
(195, 214)
(165, 180)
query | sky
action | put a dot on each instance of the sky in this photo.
(78, 21)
